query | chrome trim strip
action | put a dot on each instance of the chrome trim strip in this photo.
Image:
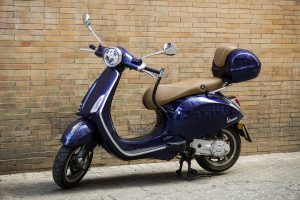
(76, 127)
(142, 66)
(177, 143)
(108, 133)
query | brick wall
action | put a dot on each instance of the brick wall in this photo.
(43, 75)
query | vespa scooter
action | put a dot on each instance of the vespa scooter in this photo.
(193, 118)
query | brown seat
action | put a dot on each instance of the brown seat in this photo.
(221, 55)
(170, 92)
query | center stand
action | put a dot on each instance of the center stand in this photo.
(187, 156)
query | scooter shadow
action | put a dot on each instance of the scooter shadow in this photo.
(136, 180)
(132, 180)
(129, 180)
(104, 183)
(99, 182)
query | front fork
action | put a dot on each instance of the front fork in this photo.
(83, 153)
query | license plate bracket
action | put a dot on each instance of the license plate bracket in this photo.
(245, 134)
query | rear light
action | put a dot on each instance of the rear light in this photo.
(234, 100)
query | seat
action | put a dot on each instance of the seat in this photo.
(221, 54)
(170, 92)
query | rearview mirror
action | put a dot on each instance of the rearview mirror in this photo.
(169, 49)
(86, 20)
(87, 23)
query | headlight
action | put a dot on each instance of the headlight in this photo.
(112, 56)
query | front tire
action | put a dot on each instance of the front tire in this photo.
(220, 164)
(66, 171)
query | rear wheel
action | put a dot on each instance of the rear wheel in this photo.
(67, 170)
(220, 164)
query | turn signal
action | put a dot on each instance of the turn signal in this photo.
(240, 126)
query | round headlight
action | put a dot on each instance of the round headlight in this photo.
(112, 56)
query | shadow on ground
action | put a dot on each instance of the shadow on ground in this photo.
(30, 189)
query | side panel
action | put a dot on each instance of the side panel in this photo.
(77, 133)
(153, 145)
(202, 115)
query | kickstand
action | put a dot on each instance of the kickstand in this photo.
(191, 173)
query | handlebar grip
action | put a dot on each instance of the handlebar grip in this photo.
(91, 46)
(152, 70)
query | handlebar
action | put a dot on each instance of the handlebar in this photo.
(136, 64)
(134, 61)
(152, 70)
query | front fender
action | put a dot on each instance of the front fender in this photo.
(77, 133)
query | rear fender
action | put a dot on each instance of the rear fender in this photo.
(78, 133)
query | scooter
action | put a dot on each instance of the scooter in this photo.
(193, 118)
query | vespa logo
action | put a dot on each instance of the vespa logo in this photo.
(231, 120)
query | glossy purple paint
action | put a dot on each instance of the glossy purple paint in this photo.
(201, 115)
(78, 133)
(241, 65)
(186, 119)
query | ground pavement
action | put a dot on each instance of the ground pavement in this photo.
(269, 176)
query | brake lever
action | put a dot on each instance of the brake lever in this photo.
(88, 50)
(149, 73)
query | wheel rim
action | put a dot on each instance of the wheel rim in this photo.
(72, 171)
(220, 161)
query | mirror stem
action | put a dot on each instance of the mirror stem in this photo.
(91, 30)
(156, 53)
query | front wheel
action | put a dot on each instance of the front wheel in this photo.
(67, 170)
(220, 164)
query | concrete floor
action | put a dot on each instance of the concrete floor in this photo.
(270, 176)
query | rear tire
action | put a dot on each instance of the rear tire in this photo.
(213, 164)
(66, 171)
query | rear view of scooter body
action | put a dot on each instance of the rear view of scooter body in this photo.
(194, 119)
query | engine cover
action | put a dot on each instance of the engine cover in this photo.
(219, 148)
(216, 148)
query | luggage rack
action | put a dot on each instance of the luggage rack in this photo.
(224, 86)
